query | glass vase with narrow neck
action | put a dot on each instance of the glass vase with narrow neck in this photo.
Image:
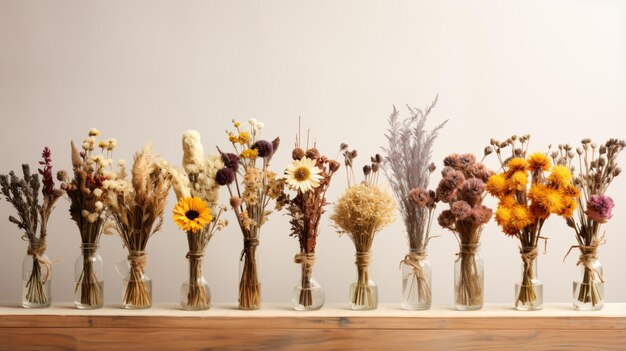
(137, 285)
(363, 292)
(195, 293)
(469, 278)
(249, 285)
(36, 280)
(89, 277)
(529, 291)
(308, 295)
(589, 289)
(416, 280)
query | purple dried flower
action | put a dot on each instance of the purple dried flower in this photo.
(264, 147)
(599, 208)
(461, 210)
(225, 176)
(231, 161)
(46, 172)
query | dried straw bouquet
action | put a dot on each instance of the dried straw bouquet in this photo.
(523, 208)
(462, 187)
(361, 212)
(250, 199)
(87, 210)
(197, 192)
(23, 194)
(136, 207)
(309, 175)
(597, 168)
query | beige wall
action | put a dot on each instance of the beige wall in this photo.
(149, 70)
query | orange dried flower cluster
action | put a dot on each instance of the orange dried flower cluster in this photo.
(521, 205)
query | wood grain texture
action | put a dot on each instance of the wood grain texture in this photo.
(276, 330)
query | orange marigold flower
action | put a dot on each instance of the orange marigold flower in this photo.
(520, 217)
(538, 211)
(571, 190)
(517, 181)
(503, 216)
(569, 206)
(560, 176)
(516, 164)
(496, 184)
(538, 162)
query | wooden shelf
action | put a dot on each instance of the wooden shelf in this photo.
(277, 327)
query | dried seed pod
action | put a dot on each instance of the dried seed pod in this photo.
(367, 170)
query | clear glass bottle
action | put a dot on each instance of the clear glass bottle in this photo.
(529, 291)
(416, 281)
(137, 285)
(308, 295)
(363, 292)
(589, 290)
(469, 278)
(249, 285)
(89, 277)
(195, 294)
(35, 282)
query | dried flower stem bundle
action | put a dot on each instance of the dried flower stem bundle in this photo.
(409, 167)
(197, 191)
(462, 187)
(523, 208)
(23, 194)
(87, 210)
(361, 212)
(597, 168)
(251, 187)
(309, 175)
(136, 207)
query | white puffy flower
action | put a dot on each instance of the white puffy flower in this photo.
(112, 144)
(121, 163)
(98, 192)
(93, 217)
(193, 152)
(252, 121)
(99, 205)
(94, 132)
(85, 213)
(260, 125)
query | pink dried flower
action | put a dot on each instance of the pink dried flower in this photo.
(446, 219)
(453, 161)
(461, 210)
(481, 214)
(420, 197)
(467, 160)
(445, 193)
(473, 189)
(599, 208)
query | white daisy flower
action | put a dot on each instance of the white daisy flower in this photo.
(303, 175)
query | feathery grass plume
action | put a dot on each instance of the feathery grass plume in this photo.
(595, 167)
(23, 194)
(409, 166)
(527, 195)
(196, 184)
(309, 175)
(251, 187)
(85, 192)
(136, 207)
(360, 213)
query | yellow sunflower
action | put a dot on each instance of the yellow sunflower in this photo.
(303, 175)
(192, 214)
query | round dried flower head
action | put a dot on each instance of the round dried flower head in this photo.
(333, 165)
(599, 208)
(112, 144)
(264, 148)
(312, 153)
(235, 201)
(297, 153)
(343, 146)
(225, 176)
(231, 161)
(94, 132)
(103, 144)
(420, 197)
(62, 175)
(367, 169)
(488, 150)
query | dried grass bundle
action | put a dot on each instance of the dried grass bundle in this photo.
(361, 212)
(23, 194)
(136, 207)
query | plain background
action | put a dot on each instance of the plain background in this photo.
(146, 71)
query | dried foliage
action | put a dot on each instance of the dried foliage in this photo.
(23, 194)
(136, 207)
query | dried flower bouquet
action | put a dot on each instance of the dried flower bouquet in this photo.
(23, 194)
(361, 212)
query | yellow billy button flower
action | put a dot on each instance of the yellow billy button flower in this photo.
(250, 153)
(244, 137)
(192, 214)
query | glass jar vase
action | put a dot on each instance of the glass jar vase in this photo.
(249, 285)
(363, 292)
(469, 278)
(589, 290)
(195, 294)
(308, 295)
(36, 281)
(529, 291)
(89, 277)
(416, 281)
(137, 285)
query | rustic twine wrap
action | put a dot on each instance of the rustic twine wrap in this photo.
(88, 285)
(35, 285)
(137, 294)
(249, 287)
(197, 296)
(306, 261)
(363, 294)
(589, 290)
(470, 288)
(527, 294)
(413, 260)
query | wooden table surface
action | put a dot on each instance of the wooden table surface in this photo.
(278, 327)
